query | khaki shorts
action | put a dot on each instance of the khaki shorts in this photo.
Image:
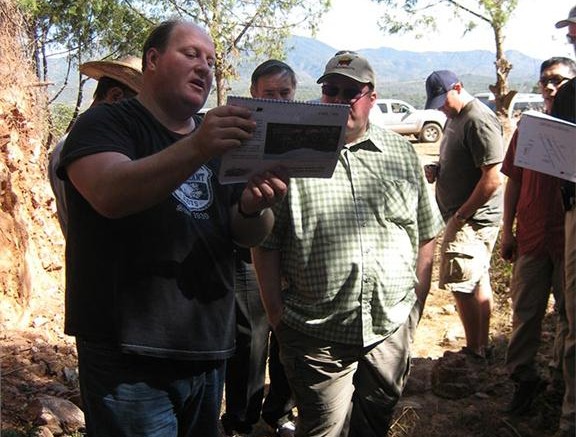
(465, 256)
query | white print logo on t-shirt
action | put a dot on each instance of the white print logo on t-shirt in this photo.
(196, 193)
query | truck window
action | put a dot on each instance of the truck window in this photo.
(399, 108)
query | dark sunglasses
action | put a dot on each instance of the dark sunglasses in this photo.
(554, 80)
(571, 38)
(346, 93)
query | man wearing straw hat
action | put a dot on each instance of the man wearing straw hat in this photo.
(117, 80)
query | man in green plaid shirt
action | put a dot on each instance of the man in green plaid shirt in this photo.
(345, 272)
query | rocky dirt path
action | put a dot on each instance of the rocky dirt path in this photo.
(448, 394)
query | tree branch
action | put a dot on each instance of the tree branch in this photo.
(470, 11)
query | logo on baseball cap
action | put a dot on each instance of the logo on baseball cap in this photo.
(352, 65)
(437, 86)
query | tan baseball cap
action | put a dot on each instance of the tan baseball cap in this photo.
(352, 65)
(127, 70)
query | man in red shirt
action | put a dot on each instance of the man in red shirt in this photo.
(533, 200)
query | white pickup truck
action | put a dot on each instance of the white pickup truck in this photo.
(426, 125)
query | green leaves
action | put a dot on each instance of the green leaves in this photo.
(88, 29)
(417, 17)
(257, 28)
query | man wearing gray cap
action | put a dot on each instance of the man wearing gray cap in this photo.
(565, 107)
(469, 194)
(345, 272)
(569, 22)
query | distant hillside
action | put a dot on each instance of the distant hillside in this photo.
(400, 74)
(400, 66)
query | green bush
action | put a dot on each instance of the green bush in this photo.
(61, 114)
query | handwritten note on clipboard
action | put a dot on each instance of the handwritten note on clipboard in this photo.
(547, 144)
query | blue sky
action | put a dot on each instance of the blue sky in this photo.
(353, 25)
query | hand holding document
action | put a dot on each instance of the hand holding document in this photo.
(547, 144)
(305, 138)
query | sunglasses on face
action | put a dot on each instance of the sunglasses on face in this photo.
(571, 38)
(348, 94)
(554, 80)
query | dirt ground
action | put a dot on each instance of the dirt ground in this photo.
(38, 359)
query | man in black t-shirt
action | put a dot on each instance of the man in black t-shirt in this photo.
(565, 107)
(149, 250)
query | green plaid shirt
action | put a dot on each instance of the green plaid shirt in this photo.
(349, 243)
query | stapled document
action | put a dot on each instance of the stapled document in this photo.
(303, 137)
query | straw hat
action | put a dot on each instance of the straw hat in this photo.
(127, 70)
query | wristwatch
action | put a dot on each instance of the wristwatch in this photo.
(248, 216)
(460, 218)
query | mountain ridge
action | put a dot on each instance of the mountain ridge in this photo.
(392, 65)
(400, 74)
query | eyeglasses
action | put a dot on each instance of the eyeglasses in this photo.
(553, 80)
(347, 94)
(571, 38)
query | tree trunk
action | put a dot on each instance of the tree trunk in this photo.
(502, 94)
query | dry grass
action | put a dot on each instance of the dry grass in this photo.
(481, 415)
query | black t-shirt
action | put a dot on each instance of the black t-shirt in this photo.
(564, 107)
(159, 282)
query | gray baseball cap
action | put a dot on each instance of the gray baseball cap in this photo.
(571, 19)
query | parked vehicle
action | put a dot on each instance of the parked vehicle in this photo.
(427, 125)
(520, 102)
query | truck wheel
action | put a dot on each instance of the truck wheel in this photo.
(430, 133)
